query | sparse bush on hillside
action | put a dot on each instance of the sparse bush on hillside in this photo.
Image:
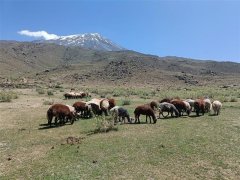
(58, 86)
(40, 91)
(119, 92)
(50, 93)
(116, 93)
(7, 96)
(95, 91)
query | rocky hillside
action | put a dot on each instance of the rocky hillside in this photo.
(53, 63)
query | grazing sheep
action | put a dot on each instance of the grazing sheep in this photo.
(199, 106)
(61, 113)
(188, 107)
(72, 110)
(180, 105)
(167, 107)
(82, 108)
(114, 112)
(191, 102)
(104, 106)
(112, 103)
(120, 114)
(75, 95)
(216, 106)
(168, 100)
(154, 105)
(99, 106)
(144, 110)
(208, 105)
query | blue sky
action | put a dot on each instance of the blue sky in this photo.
(195, 29)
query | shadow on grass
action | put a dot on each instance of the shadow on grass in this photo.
(46, 126)
(97, 131)
(195, 116)
(141, 123)
(167, 117)
(212, 115)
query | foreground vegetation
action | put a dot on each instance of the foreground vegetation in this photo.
(205, 147)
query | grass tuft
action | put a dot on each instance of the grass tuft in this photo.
(7, 96)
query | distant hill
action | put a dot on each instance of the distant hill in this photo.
(70, 64)
(88, 40)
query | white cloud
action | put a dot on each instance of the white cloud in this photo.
(38, 34)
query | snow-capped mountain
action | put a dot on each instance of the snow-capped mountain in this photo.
(89, 40)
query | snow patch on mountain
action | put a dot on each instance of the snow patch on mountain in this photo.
(88, 40)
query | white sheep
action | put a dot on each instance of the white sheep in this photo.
(208, 105)
(216, 106)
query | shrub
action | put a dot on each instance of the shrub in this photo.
(50, 93)
(95, 91)
(116, 93)
(225, 100)
(40, 91)
(7, 96)
(233, 99)
(58, 86)
(126, 102)
(48, 103)
(105, 124)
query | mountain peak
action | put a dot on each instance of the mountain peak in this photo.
(87, 40)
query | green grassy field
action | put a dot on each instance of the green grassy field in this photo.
(205, 147)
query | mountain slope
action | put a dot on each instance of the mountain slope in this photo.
(89, 40)
(50, 63)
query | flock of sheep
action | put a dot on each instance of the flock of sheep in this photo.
(165, 107)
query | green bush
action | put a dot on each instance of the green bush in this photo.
(7, 96)
(233, 99)
(105, 124)
(58, 86)
(126, 102)
(40, 91)
(50, 93)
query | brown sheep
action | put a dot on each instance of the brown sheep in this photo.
(82, 108)
(61, 113)
(144, 110)
(168, 100)
(181, 106)
(112, 103)
(199, 106)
